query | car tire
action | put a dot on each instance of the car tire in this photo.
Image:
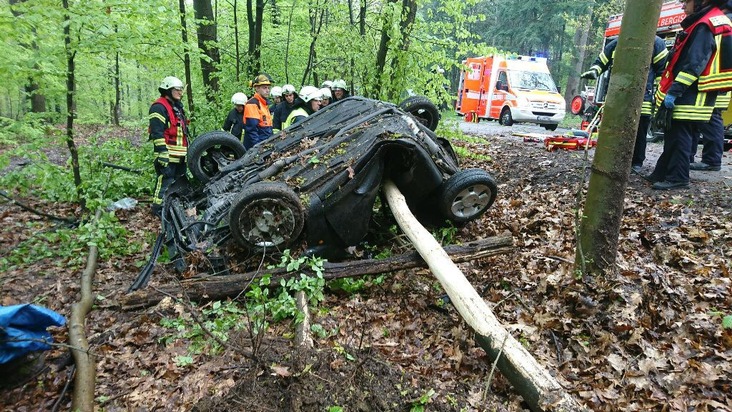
(466, 195)
(211, 151)
(423, 110)
(266, 216)
(506, 119)
(550, 127)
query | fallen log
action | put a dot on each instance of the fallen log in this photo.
(221, 287)
(534, 383)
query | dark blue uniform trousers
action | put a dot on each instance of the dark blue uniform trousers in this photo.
(673, 165)
(713, 133)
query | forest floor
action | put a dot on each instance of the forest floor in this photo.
(647, 338)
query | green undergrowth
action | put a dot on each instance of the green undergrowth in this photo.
(34, 168)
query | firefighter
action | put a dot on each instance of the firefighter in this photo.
(713, 132)
(168, 129)
(234, 122)
(276, 95)
(329, 84)
(308, 103)
(713, 144)
(257, 118)
(339, 90)
(283, 109)
(604, 62)
(326, 96)
(697, 71)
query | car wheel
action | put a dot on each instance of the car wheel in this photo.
(211, 152)
(266, 216)
(506, 119)
(466, 195)
(423, 110)
(550, 127)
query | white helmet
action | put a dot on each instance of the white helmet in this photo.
(339, 84)
(308, 93)
(171, 82)
(288, 88)
(325, 92)
(276, 91)
(239, 98)
(327, 84)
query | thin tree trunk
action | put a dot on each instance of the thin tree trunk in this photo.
(255, 13)
(599, 229)
(237, 55)
(382, 51)
(117, 108)
(71, 105)
(186, 57)
(581, 37)
(287, 46)
(207, 43)
(32, 89)
(536, 385)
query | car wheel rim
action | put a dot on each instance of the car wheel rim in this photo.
(471, 201)
(267, 223)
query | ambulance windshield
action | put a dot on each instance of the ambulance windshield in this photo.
(525, 80)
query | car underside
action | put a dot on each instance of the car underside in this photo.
(318, 181)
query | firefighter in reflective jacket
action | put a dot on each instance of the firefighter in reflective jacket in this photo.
(698, 70)
(257, 118)
(658, 62)
(168, 129)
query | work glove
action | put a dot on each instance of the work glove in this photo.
(590, 74)
(669, 101)
(663, 118)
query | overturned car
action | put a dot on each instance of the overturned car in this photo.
(318, 181)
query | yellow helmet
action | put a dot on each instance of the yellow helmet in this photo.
(261, 79)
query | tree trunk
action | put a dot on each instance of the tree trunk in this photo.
(317, 13)
(254, 19)
(383, 50)
(186, 57)
(220, 287)
(37, 99)
(116, 108)
(599, 228)
(581, 37)
(534, 383)
(207, 43)
(71, 105)
(237, 55)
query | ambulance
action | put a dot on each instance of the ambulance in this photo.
(510, 89)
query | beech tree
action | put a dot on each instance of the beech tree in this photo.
(600, 221)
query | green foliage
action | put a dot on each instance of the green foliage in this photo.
(419, 404)
(44, 179)
(68, 246)
(217, 317)
(727, 322)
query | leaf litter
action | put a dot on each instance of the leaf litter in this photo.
(649, 337)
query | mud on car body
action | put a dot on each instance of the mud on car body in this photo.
(318, 181)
